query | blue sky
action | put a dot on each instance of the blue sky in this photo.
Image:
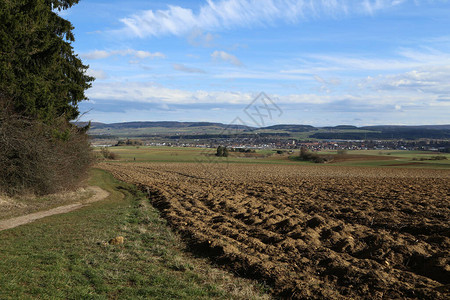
(323, 62)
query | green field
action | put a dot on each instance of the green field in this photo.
(191, 154)
(399, 158)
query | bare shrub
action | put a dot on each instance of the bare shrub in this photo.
(36, 158)
(342, 152)
(438, 157)
(107, 154)
(305, 155)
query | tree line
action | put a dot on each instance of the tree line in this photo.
(42, 81)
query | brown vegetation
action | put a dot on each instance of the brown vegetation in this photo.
(36, 158)
(107, 154)
(311, 231)
(76, 199)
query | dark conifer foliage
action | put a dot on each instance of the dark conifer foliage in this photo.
(39, 70)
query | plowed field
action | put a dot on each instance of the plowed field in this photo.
(312, 231)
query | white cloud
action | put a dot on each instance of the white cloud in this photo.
(331, 81)
(213, 15)
(183, 68)
(406, 59)
(426, 55)
(325, 84)
(139, 54)
(154, 93)
(145, 54)
(199, 38)
(319, 63)
(372, 6)
(265, 75)
(432, 80)
(224, 56)
(96, 54)
(98, 74)
(149, 92)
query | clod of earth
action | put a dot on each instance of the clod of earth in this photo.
(116, 241)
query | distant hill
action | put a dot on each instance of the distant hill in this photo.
(161, 124)
(292, 128)
(389, 132)
(341, 127)
(205, 130)
(405, 128)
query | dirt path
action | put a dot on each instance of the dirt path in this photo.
(99, 194)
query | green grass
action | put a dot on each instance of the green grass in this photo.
(157, 154)
(67, 256)
(187, 154)
(130, 154)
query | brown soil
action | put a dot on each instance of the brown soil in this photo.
(359, 157)
(99, 194)
(312, 232)
(406, 164)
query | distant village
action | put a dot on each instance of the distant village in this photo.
(290, 144)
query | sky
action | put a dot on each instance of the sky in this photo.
(321, 62)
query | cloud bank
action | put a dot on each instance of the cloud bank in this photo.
(139, 54)
(149, 92)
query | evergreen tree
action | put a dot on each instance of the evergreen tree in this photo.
(303, 152)
(39, 71)
(225, 152)
(219, 151)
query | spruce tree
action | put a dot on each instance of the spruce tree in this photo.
(39, 71)
(219, 151)
(225, 152)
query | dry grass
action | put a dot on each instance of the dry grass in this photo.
(27, 204)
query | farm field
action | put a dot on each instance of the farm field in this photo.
(409, 159)
(311, 231)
